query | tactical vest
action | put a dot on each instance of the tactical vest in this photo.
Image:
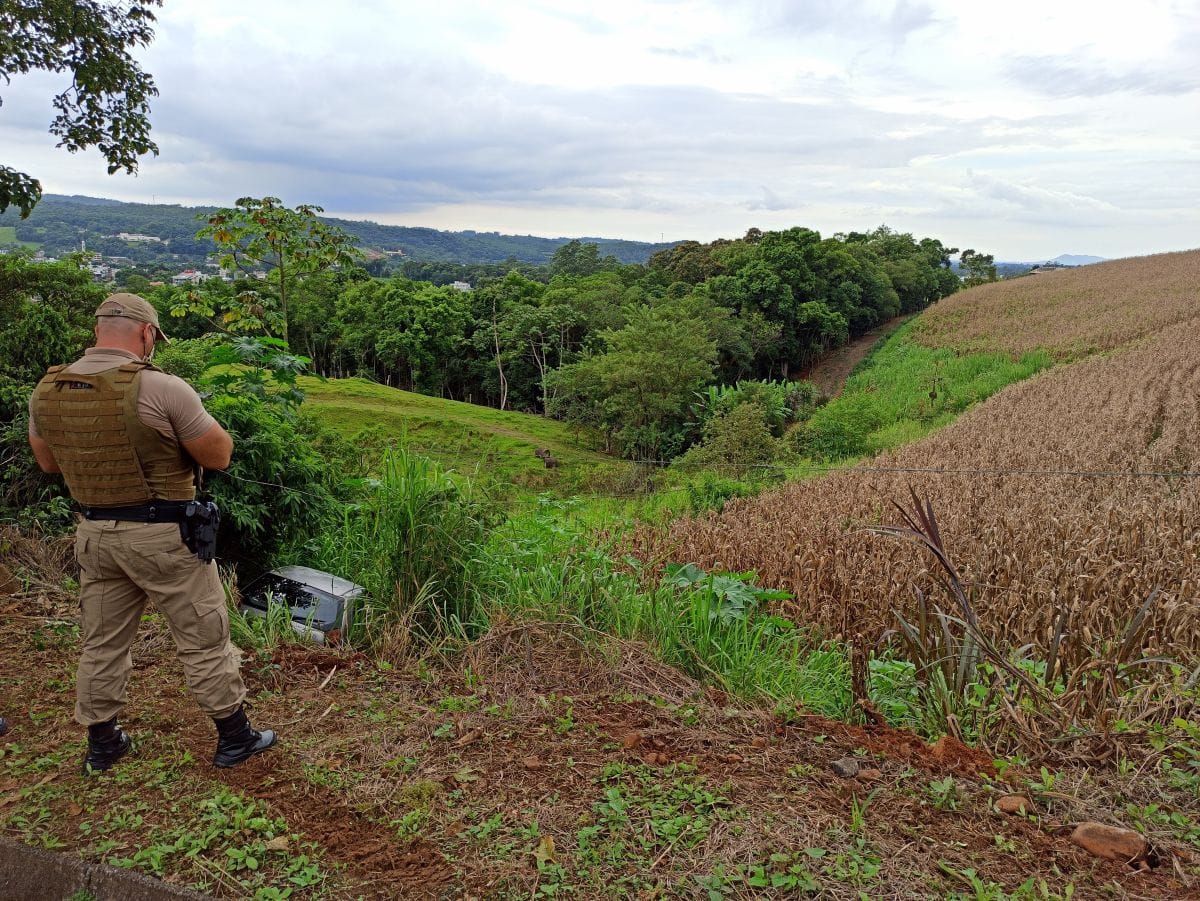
(108, 457)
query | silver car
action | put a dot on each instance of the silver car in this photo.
(321, 603)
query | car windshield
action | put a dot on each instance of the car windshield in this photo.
(305, 601)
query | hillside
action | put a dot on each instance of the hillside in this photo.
(1072, 312)
(536, 764)
(59, 223)
(596, 731)
(1041, 504)
(479, 441)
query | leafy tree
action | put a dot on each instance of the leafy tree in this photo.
(510, 373)
(107, 103)
(577, 259)
(47, 310)
(291, 243)
(638, 391)
(412, 330)
(919, 271)
(315, 328)
(978, 268)
(690, 262)
(543, 331)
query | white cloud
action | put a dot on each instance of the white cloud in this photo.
(696, 118)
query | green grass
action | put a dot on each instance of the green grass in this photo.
(8, 237)
(906, 391)
(548, 564)
(490, 445)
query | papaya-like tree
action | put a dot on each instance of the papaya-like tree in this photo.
(260, 235)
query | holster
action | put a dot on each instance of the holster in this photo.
(198, 529)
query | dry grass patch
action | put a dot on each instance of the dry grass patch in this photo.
(1032, 545)
(1072, 312)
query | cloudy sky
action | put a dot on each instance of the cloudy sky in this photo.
(1026, 129)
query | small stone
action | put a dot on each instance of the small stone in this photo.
(631, 741)
(1014, 805)
(869, 774)
(1111, 842)
(847, 767)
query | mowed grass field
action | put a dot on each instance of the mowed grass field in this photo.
(1051, 507)
(473, 440)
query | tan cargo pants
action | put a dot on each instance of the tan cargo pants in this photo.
(124, 564)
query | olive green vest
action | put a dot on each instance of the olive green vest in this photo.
(108, 457)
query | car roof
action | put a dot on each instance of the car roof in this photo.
(315, 578)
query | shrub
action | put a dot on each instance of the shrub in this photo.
(187, 357)
(839, 431)
(709, 491)
(277, 490)
(738, 442)
(782, 403)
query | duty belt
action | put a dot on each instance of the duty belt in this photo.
(158, 511)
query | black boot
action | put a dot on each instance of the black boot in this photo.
(237, 740)
(3, 726)
(107, 744)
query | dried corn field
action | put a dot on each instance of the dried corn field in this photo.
(1030, 543)
(1072, 312)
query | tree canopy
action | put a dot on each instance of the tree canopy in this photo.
(107, 103)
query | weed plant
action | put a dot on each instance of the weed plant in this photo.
(260, 632)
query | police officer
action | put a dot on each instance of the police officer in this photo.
(126, 438)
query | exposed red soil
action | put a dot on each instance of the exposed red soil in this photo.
(539, 760)
(831, 371)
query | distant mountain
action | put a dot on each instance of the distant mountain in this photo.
(1076, 259)
(60, 223)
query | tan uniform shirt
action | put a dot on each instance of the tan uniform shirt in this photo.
(166, 403)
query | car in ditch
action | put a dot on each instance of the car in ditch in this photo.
(321, 604)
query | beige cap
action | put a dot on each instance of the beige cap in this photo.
(130, 306)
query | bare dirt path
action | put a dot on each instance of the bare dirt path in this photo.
(831, 371)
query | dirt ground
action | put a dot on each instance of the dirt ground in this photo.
(537, 762)
(831, 371)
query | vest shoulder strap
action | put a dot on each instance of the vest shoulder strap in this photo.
(127, 371)
(51, 376)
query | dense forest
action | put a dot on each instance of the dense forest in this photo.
(59, 223)
(623, 350)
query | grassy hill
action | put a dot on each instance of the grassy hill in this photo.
(474, 440)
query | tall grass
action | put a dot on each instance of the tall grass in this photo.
(547, 564)
(907, 391)
(408, 541)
